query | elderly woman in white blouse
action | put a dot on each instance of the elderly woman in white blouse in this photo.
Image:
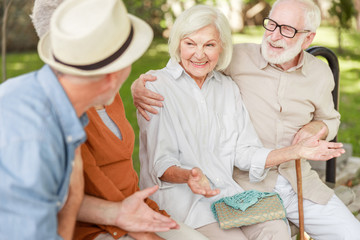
(203, 130)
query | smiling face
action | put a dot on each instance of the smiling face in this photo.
(199, 53)
(281, 50)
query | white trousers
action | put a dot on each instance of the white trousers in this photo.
(184, 233)
(322, 222)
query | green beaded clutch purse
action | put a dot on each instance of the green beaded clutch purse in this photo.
(247, 208)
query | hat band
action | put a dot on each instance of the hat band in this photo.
(105, 61)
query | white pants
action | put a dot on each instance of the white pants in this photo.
(185, 232)
(270, 230)
(322, 222)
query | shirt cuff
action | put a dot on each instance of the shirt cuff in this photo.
(257, 170)
(333, 127)
(159, 170)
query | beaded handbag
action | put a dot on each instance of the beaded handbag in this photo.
(248, 208)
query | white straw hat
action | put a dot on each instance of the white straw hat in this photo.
(91, 37)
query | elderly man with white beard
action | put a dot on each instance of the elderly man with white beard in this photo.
(287, 92)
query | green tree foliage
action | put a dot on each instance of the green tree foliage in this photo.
(158, 13)
(343, 10)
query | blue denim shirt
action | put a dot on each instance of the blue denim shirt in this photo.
(39, 131)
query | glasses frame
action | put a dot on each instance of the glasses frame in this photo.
(283, 25)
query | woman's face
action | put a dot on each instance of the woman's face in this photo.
(200, 51)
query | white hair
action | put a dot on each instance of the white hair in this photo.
(41, 15)
(312, 14)
(192, 20)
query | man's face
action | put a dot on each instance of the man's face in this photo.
(276, 48)
(121, 77)
(279, 52)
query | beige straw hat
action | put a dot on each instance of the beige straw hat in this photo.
(91, 37)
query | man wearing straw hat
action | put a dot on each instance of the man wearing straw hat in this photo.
(88, 55)
(108, 150)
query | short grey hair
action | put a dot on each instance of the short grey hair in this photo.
(41, 15)
(192, 20)
(312, 14)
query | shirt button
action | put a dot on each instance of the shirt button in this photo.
(115, 233)
(58, 203)
(69, 139)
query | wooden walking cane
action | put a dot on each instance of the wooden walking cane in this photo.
(300, 198)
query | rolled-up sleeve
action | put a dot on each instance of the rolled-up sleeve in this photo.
(159, 149)
(325, 110)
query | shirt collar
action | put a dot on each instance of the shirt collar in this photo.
(73, 127)
(176, 71)
(263, 63)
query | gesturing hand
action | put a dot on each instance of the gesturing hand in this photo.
(313, 148)
(135, 215)
(199, 183)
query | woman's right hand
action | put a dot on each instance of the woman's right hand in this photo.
(199, 183)
(143, 98)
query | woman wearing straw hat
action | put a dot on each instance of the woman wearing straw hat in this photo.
(42, 117)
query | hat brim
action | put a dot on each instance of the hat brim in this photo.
(142, 38)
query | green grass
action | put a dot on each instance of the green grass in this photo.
(157, 56)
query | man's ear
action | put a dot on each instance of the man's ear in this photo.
(111, 79)
(308, 40)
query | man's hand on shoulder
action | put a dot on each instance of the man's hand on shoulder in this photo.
(143, 98)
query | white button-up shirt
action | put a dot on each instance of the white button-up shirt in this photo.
(207, 128)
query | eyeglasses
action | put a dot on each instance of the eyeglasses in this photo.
(285, 30)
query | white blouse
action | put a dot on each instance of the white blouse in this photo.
(208, 128)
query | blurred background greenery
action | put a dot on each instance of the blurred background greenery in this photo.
(339, 32)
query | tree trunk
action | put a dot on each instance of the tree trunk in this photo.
(6, 7)
(340, 50)
(236, 18)
(357, 7)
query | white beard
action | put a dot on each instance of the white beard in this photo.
(288, 54)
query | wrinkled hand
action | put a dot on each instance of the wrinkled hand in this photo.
(310, 130)
(145, 236)
(313, 148)
(143, 98)
(199, 183)
(134, 215)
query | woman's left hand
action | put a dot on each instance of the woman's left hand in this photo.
(199, 183)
